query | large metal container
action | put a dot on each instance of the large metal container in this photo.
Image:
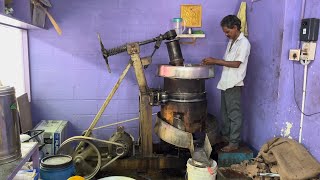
(186, 108)
(9, 126)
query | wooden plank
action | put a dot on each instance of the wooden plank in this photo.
(38, 17)
(144, 106)
(25, 112)
(191, 35)
(146, 125)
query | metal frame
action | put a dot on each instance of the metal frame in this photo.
(145, 114)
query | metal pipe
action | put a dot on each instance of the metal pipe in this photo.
(302, 13)
(269, 174)
(303, 100)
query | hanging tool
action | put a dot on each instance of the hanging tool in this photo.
(104, 53)
(54, 23)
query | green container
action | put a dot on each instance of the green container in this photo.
(226, 159)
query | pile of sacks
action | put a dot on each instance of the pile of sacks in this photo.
(281, 157)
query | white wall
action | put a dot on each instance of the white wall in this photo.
(14, 65)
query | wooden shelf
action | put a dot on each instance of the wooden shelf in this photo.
(28, 150)
(190, 36)
(21, 17)
(10, 21)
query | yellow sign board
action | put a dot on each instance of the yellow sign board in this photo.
(191, 14)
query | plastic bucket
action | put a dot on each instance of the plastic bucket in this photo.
(56, 167)
(203, 173)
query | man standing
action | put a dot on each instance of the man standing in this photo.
(234, 64)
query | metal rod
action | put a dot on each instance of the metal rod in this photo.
(269, 174)
(106, 102)
(120, 122)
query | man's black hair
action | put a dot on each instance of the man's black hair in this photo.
(230, 21)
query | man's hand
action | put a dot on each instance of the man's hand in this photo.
(209, 61)
(220, 62)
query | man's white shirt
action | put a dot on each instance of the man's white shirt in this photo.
(239, 51)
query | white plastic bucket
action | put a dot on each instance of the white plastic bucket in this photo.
(197, 173)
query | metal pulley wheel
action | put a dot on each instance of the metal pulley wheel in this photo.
(81, 156)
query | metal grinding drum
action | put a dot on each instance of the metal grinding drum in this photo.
(10, 149)
(187, 106)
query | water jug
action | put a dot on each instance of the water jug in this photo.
(179, 25)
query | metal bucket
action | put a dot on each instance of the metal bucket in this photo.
(9, 126)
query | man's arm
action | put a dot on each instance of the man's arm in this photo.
(214, 61)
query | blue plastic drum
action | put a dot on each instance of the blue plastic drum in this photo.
(56, 167)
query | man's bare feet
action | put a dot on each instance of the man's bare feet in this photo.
(230, 148)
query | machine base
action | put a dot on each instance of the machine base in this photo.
(144, 164)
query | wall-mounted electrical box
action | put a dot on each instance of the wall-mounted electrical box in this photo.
(294, 54)
(309, 29)
(308, 51)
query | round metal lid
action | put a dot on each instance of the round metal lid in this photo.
(188, 71)
(56, 161)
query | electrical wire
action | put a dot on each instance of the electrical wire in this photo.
(294, 94)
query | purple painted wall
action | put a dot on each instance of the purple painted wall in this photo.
(311, 131)
(265, 20)
(290, 113)
(270, 108)
(69, 79)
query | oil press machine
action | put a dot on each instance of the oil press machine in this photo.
(181, 121)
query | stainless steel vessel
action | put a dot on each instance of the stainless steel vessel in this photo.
(9, 126)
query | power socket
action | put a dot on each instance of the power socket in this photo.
(308, 50)
(294, 54)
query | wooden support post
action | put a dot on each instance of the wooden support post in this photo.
(145, 114)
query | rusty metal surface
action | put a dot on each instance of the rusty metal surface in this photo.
(187, 106)
(184, 85)
(172, 135)
(174, 51)
(177, 137)
(186, 71)
(192, 115)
